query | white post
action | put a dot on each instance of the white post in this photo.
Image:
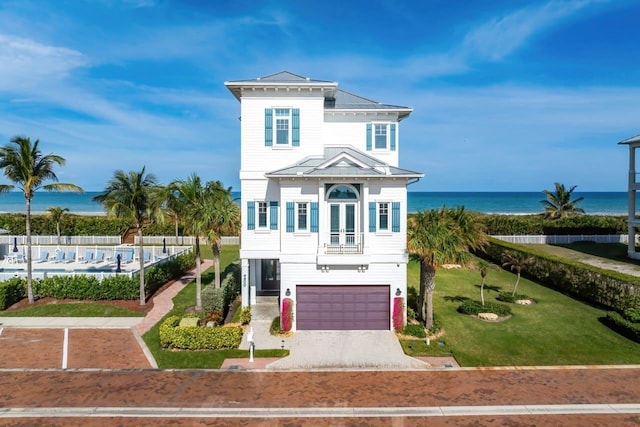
(251, 344)
(244, 278)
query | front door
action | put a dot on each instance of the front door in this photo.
(343, 224)
(270, 272)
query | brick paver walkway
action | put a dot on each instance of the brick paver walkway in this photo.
(163, 303)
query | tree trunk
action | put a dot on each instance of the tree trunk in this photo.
(58, 232)
(176, 226)
(215, 248)
(143, 297)
(515, 286)
(429, 284)
(198, 277)
(482, 291)
(28, 254)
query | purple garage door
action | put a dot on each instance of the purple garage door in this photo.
(332, 308)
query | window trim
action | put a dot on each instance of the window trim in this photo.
(379, 228)
(266, 225)
(307, 205)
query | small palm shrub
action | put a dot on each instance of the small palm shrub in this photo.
(508, 297)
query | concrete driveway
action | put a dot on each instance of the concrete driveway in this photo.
(345, 349)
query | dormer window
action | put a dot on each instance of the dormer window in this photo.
(286, 124)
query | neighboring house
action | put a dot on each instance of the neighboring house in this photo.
(324, 203)
(633, 221)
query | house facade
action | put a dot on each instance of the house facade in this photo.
(633, 216)
(324, 203)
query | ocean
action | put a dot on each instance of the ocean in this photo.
(513, 203)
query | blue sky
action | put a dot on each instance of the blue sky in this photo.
(508, 95)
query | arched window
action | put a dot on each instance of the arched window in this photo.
(343, 192)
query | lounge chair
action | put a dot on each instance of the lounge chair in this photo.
(44, 256)
(70, 257)
(99, 258)
(58, 258)
(127, 258)
(147, 257)
(88, 256)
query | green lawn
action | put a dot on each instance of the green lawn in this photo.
(558, 330)
(169, 359)
(76, 309)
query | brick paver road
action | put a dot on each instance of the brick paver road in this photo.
(203, 390)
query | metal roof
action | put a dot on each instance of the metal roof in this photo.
(631, 140)
(342, 161)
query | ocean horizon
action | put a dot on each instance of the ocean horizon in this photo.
(490, 202)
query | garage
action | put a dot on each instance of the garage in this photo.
(331, 308)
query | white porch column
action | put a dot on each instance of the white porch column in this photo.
(244, 278)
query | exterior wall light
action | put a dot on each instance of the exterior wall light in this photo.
(324, 268)
(398, 292)
(287, 292)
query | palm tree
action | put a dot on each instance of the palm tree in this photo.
(189, 203)
(437, 237)
(26, 166)
(136, 197)
(516, 261)
(559, 204)
(172, 209)
(483, 267)
(222, 217)
(56, 213)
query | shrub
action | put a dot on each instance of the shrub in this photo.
(398, 313)
(245, 315)
(537, 224)
(632, 315)
(508, 297)
(215, 317)
(275, 328)
(12, 291)
(85, 287)
(474, 307)
(415, 331)
(213, 299)
(287, 315)
(199, 337)
(623, 326)
(411, 314)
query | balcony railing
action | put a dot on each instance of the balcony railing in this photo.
(344, 243)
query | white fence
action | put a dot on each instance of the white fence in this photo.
(65, 240)
(563, 240)
(184, 240)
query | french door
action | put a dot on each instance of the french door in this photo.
(343, 224)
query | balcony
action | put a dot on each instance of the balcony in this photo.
(349, 243)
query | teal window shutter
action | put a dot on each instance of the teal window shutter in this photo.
(314, 217)
(268, 127)
(251, 215)
(372, 217)
(295, 137)
(395, 217)
(393, 137)
(369, 137)
(273, 215)
(290, 217)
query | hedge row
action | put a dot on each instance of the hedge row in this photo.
(220, 299)
(85, 287)
(501, 225)
(11, 291)
(78, 225)
(623, 326)
(198, 337)
(606, 288)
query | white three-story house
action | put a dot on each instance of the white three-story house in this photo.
(324, 203)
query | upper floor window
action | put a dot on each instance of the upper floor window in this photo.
(381, 136)
(383, 216)
(286, 123)
(262, 215)
(303, 216)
